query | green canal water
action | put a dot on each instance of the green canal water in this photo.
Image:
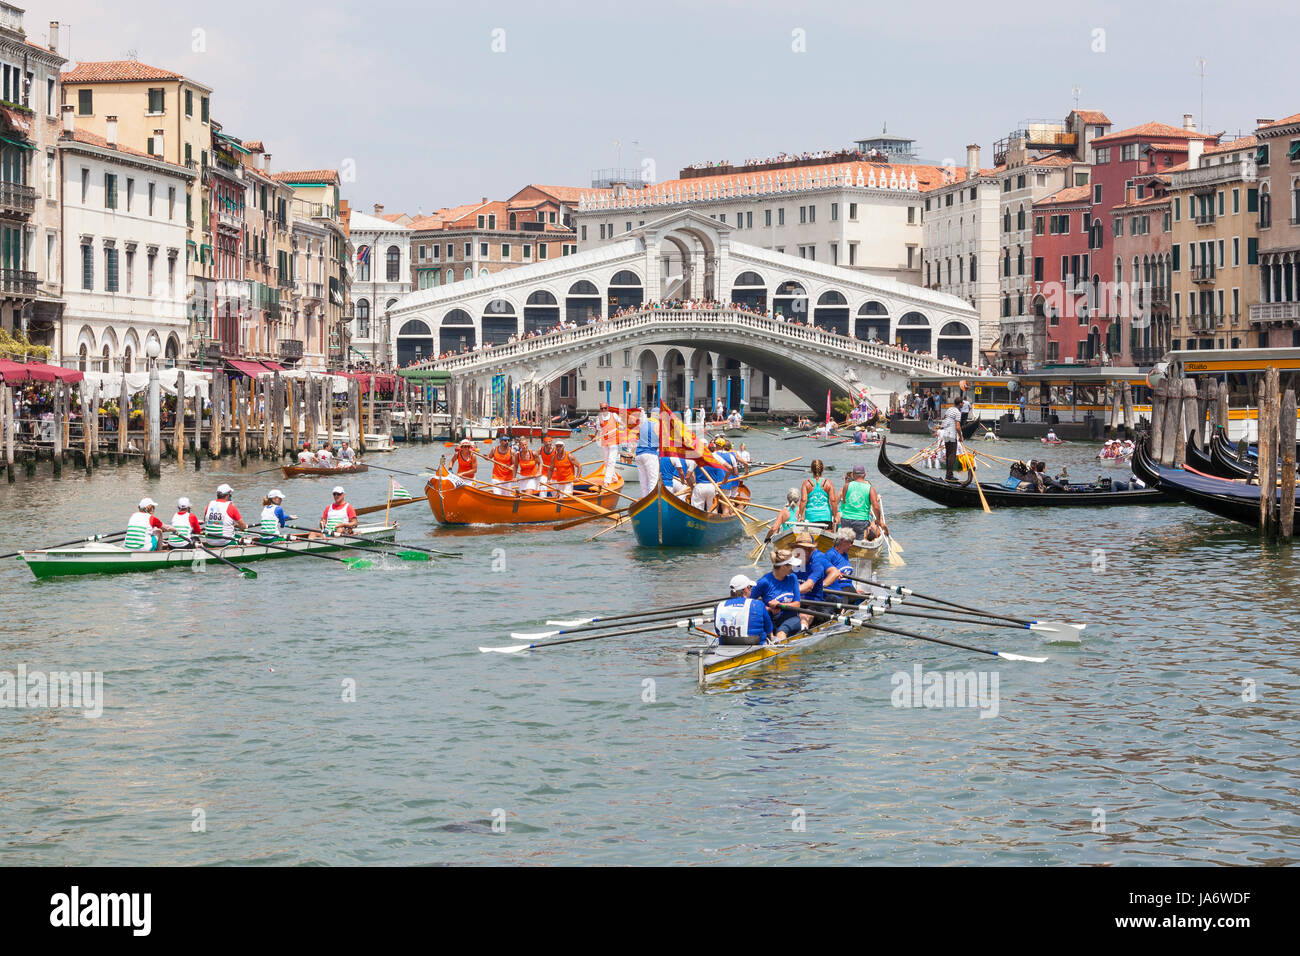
(1169, 736)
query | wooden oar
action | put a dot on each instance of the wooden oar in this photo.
(371, 509)
(67, 544)
(744, 524)
(976, 479)
(565, 526)
(614, 527)
(1052, 627)
(248, 573)
(834, 443)
(517, 648)
(394, 470)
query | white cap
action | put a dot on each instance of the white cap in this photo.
(182, 502)
(793, 561)
(740, 582)
(559, 443)
(275, 493)
(338, 490)
(224, 489)
(147, 503)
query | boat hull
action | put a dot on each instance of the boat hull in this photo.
(470, 505)
(303, 471)
(112, 559)
(662, 520)
(955, 495)
(723, 662)
(1221, 496)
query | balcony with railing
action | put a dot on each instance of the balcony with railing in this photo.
(17, 199)
(1203, 272)
(1205, 220)
(312, 290)
(17, 282)
(1208, 175)
(1275, 312)
(290, 349)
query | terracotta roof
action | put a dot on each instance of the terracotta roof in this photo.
(116, 71)
(1094, 117)
(569, 194)
(255, 146)
(1285, 121)
(959, 176)
(1156, 130)
(93, 139)
(1149, 201)
(1067, 196)
(392, 216)
(1245, 142)
(322, 176)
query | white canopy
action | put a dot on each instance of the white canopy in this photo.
(340, 382)
(197, 383)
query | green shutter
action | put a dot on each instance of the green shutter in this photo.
(1252, 251)
(1177, 261)
(1294, 151)
(148, 145)
(1252, 200)
(1261, 155)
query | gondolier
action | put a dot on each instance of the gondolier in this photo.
(221, 519)
(143, 527)
(740, 619)
(647, 455)
(950, 434)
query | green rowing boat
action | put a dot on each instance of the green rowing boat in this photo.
(96, 557)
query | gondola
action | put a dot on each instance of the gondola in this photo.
(1221, 496)
(957, 495)
(968, 429)
(1223, 457)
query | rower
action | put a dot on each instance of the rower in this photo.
(705, 492)
(860, 507)
(563, 471)
(466, 462)
(740, 619)
(1051, 435)
(503, 465)
(839, 568)
(305, 457)
(608, 424)
(546, 452)
(273, 517)
(724, 454)
(647, 455)
(346, 455)
(744, 457)
(325, 458)
(812, 572)
(142, 528)
(221, 518)
(785, 518)
(185, 525)
(676, 474)
(339, 517)
(818, 503)
(527, 465)
(777, 588)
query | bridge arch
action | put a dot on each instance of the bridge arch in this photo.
(625, 290)
(582, 303)
(832, 312)
(749, 288)
(674, 371)
(956, 342)
(791, 300)
(872, 321)
(913, 331)
(647, 368)
(456, 333)
(414, 341)
(500, 322)
(541, 311)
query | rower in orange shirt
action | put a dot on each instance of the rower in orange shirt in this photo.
(563, 471)
(528, 466)
(464, 462)
(503, 466)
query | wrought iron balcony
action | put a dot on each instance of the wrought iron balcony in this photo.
(1203, 273)
(17, 282)
(15, 198)
(290, 348)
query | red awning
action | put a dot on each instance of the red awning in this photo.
(37, 372)
(251, 369)
(274, 366)
(384, 383)
(17, 121)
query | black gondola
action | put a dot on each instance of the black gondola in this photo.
(1229, 499)
(956, 495)
(968, 429)
(1224, 457)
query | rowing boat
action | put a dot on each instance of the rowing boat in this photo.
(720, 662)
(861, 553)
(96, 557)
(313, 471)
(459, 504)
(662, 520)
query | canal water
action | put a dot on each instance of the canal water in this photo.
(228, 735)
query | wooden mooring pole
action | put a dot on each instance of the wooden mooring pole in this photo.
(1286, 432)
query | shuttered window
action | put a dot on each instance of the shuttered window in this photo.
(110, 270)
(87, 268)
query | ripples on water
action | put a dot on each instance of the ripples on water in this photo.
(225, 695)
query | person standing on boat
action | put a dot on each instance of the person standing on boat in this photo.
(817, 499)
(143, 527)
(779, 591)
(608, 426)
(273, 517)
(185, 525)
(563, 471)
(647, 454)
(964, 404)
(740, 620)
(221, 519)
(860, 508)
(503, 465)
(339, 517)
(528, 466)
(950, 434)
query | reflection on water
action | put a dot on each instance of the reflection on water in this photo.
(1175, 718)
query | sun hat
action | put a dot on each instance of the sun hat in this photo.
(338, 490)
(147, 503)
(740, 582)
(804, 540)
(275, 493)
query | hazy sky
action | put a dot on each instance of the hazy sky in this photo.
(430, 114)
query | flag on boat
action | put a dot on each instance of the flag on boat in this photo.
(397, 492)
(676, 440)
(619, 426)
(828, 406)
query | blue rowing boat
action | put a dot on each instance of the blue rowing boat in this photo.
(662, 520)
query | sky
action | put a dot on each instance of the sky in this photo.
(423, 105)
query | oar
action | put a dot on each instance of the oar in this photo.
(588, 518)
(355, 563)
(248, 573)
(923, 611)
(653, 612)
(68, 544)
(382, 545)
(394, 470)
(371, 509)
(691, 611)
(614, 527)
(976, 479)
(1063, 628)
(517, 648)
(834, 443)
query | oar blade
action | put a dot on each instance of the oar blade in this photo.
(358, 564)
(511, 649)
(576, 622)
(413, 555)
(1020, 657)
(541, 635)
(248, 573)
(1059, 631)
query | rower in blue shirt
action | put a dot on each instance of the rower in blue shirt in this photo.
(835, 583)
(779, 590)
(740, 619)
(813, 572)
(647, 454)
(673, 473)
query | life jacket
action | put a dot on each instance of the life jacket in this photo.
(528, 463)
(139, 532)
(502, 465)
(466, 469)
(181, 522)
(563, 469)
(217, 523)
(335, 516)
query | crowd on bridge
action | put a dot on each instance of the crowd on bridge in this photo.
(849, 155)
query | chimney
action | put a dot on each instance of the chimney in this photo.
(67, 119)
(1263, 121)
(266, 162)
(1195, 148)
(1130, 195)
(110, 131)
(54, 35)
(972, 161)
(485, 200)
(158, 144)
(1188, 124)
(379, 209)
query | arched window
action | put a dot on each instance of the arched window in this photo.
(1006, 221)
(363, 318)
(513, 222)
(363, 309)
(625, 277)
(363, 263)
(469, 273)
(541, 297)
(390, 304)
(749, 278)
(394, 264)
(1020, 218)
(583, 287)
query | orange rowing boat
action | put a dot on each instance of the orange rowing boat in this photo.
(477, 504)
